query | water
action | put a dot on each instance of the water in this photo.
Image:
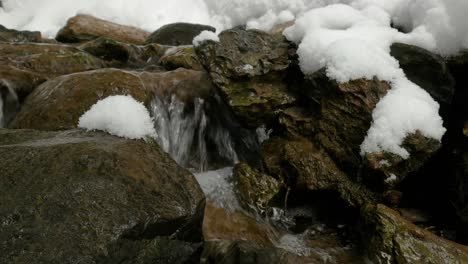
(1, 112)
(200, 134)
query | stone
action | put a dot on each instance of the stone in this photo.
(181, 57)
(389, 238)
(81, 28)
(76, 196)
(59, 103)
(129, 55)
(256, 190)
(344, 113)
(11, 35)
(177, 34)
(250, 68)
(427, 70)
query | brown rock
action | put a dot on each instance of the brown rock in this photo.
(82, 28)
(181, 57)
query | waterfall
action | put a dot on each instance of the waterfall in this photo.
(199, 134)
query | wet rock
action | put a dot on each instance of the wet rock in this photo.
(427, 70)
(58, 104)
(181, 57)
(177, 34)
(129, 55)
(11, 35)
(93, 198)
(389, 238)
(392, 169)
(48, 60)
(223, 224)
(301, 165)
(249, 67)
(255, 189)
(344, 114)
(83, 28)
(296, 122)
(21, 82)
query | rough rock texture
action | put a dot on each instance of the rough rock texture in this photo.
(11, 35)
(255, 189)
(249, 67)
(77, 197)
(129, 55)
(59, 103)
(181, 57)
(384, 165)
(345, 114)
(22, 82)
(301, 165)
(427, 70)
(391, 239)
(48, 60)
(82, 28)
(177, 34)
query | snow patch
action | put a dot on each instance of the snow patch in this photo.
(119, 115)
(204, 36)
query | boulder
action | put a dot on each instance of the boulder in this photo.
(389, 238)
(59, 103)
(302, 166)
(21, 82)
(256, 190)
(129, 55)
(249, 67)
(344, 113)
(11, 35)
(177, 34)
(181, 57)
(73, 196)
(83, 28)
(48, 60)
(427, 70)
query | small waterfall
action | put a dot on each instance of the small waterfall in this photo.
(9, 103)
(199, 134)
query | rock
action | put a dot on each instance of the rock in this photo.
(344, 113)
(255, 189)
(129, 55)
(48, 60)
(58, 104)
(427, 70)
(227, 252)
(11, 35)
(249, 67)
(92, 198)
(83, 28)
(181, 57)
(177, 34)
(391, 239)
(392, 169)
(21, 82)
(222, 224)
(296, 122)
(301, 165)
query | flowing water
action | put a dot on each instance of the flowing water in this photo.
(1, 113)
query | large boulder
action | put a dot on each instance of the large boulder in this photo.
(73, 196)
(250, 68)
(11, 35)
(177, 34)
(83, 28)
(427, 70)
(48, 60)
(389, 238)
(181, 57)
(59, 103)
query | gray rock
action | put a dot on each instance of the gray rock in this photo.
(177, 34)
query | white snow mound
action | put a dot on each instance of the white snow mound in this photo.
(204, 36)
(119, 115)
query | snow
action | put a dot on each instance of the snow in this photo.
(119, 115)
(204, 36)
(350, 38)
